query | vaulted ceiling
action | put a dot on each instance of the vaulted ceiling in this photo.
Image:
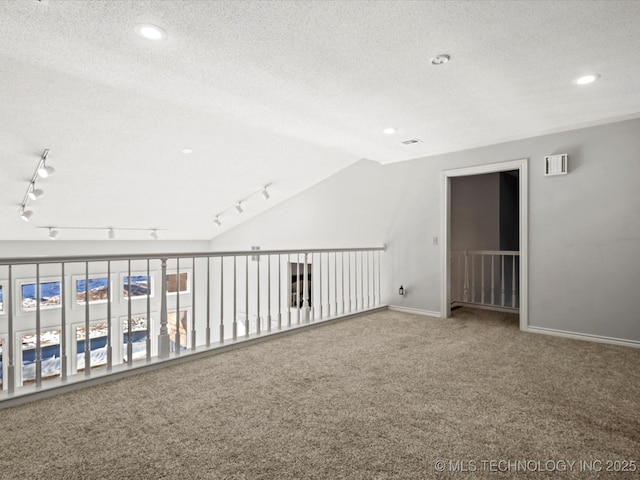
(280, 93)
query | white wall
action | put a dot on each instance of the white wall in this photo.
(584, 228)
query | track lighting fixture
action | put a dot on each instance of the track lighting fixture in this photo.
(33, 193)
(111, 231)
(239, 204)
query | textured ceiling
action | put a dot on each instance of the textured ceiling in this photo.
(286, 93)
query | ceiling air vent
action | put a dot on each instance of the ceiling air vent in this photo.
(412, 141)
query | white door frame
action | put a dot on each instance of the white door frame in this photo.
(521, 166)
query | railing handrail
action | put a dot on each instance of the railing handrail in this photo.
(45, 259)
(488, 252)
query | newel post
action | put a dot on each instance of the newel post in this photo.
(163, 337)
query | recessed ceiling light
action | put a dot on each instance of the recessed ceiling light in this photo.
(440, 59)
(390, 130)
(186, 151)
(586, 79)
(150, 32)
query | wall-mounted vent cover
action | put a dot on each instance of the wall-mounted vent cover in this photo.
(556, 165)
(412, 141)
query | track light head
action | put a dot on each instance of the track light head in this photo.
(265, 193)
(239, 207)
(112, 234)
(217, 221)
(26, 214)
(35, 193)
(154, 234)
(53, 233)
(46, 171)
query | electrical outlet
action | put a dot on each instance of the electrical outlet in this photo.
(435, 241)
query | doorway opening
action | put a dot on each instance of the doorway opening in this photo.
(484, 260)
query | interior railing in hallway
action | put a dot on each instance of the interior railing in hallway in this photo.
(65, 320)
(487, 278)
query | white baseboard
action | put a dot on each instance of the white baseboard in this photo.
(583, 336)
(416, 311)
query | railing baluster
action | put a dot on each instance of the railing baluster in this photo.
(349, 264)
(361, 280)
(289, 292)
(258, 294)
(148, 340)
(87, 326)
(465, 293)
(208, 328)
(335, 282)
(109, 336)
(222, 299)
(193, 305)
(247, 323)
(482, 279)
(279, 292)
(502, 280)
(129, 344)
(473, 277)
(368, 284)
(320, 283)
(176, 340)
(312, 299)
(342, 275)
(493, 278)
(268, 293)
(298, 287)
(235, 301)
(234, 326)
(373, 276)
(513, 281)
(328, 286)
(379, 280)
(460, 283)
(355, 280)
(38, 341)
(62, 341)
(11, 369)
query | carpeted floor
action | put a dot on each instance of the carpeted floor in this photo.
(383, 396)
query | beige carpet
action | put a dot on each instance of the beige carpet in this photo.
(382, 396)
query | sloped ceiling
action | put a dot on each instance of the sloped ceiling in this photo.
(281, 93)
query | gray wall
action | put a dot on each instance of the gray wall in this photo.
(475, 212)
(584, 228)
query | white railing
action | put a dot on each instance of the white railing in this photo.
(129, 311)
(489, 278)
